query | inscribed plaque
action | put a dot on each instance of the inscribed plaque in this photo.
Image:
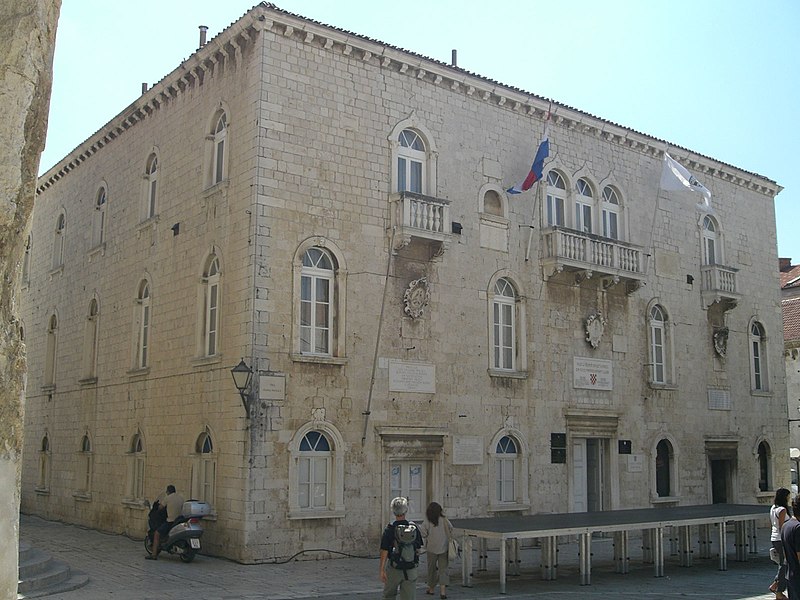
(415, 377)
(468, 450)
(592, 373)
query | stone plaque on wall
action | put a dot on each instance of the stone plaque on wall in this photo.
(272, 387)
(468, 450)
(635, 463)
(592, 373)
(417, 377)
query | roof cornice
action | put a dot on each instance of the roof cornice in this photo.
(266, 17)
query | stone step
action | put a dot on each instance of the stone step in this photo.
(41, 575)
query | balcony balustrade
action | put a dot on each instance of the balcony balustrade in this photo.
(719, 285)
(421, 222)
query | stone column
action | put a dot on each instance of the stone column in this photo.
(27, 42)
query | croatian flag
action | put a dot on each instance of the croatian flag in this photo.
(536, 168)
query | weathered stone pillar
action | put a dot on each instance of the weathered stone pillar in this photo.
(27, 42)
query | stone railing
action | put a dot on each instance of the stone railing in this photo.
(719, 279)
(569, 248)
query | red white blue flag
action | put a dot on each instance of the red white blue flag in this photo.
(536, 168)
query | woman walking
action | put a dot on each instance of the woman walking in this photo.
(778, 514)
(436, 531)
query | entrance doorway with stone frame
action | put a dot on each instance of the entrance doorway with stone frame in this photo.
(593, 476)
(412, 467)
(722, 470)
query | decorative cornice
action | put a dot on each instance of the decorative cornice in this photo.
(267, 17)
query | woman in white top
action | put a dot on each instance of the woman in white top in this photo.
(436, 532)
(778, 514)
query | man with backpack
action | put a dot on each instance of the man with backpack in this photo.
(400, 544)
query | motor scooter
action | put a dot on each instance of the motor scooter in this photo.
(183, 538)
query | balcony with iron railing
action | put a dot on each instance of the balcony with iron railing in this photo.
(587, 255)
(420, 221)
(719, 285)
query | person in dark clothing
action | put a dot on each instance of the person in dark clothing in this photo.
(790, 538)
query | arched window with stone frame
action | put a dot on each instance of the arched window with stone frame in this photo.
(508, 455)
(555, 199)
(611, 211)
(759, 373)
(51, 352)
(204, 469)
(660, 345)
(136, 469)
(43, 481)
(218, 148)
(764, 455)
(209, 317)
(99, 217)
(151, 189)
(319, 290)
(508, 355)
(584, 206)
(90, 341)
(142, 325)
(59, 240)
(83, 473)
(413, 158)
(712, 247)
(664, 467)
(316, 485)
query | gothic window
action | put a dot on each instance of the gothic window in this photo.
(26, 261)
(43, 483)
(556, 195)
(611, 213)
(710, 241)
(204, 469)
(504, 330)
(584, 201)
(218, 139)
(664, 461)
(51, 349)
(316, 302)
(210, 317)
(764, 459)
(83, 476)
(136, 465)
(151, 188)
(143, 315)
(99, 218)
(411, 160)
(58, 241)
(90, 340)
(660, 368)
(758, 358)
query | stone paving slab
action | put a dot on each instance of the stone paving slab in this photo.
(117, 570)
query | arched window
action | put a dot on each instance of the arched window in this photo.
(505, 469)
(90, 339)
(99, 220)
(758, 358)
(316, 302)
(58, 241)
(313, 472)
(83, 476)
(504, 331)
(659, 351)
(411, 159)
(764, 459)
(664, 460)
(143, 325)
(52, 347)
(151, 189)
(204, 469)
(210, 317)
(556, 195)
(611, 209)
(43, 484)
(584, 200)
(136, 465)
(509, 468)
(710, 241)
(219, 135)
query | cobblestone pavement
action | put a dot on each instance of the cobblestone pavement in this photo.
(117, 570)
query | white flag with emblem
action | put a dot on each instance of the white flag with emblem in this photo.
(675, 177)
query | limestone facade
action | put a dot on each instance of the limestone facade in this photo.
(505, 364)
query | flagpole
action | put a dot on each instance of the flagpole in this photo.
(536, 197)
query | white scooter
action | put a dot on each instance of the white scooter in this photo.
(183, 538)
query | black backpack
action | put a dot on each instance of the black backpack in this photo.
(404, 552)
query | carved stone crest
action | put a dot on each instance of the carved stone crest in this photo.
(595, 326)
(416, 297)
(720, 337)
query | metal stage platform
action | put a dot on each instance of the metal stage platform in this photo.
(547, 528)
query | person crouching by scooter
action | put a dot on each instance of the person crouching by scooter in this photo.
(173, 503)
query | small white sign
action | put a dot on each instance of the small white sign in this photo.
(468, 450)
(415, 377)
(592, 373)
(635, 463)
(272, 387)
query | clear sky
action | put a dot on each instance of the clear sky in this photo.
(720, 77)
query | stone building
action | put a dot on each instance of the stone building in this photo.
(332, 210)
(790, 304)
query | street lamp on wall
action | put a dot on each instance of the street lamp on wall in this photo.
(242, 377)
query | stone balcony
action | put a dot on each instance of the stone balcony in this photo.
(588, 255)
(422, 223)
(719, 285)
